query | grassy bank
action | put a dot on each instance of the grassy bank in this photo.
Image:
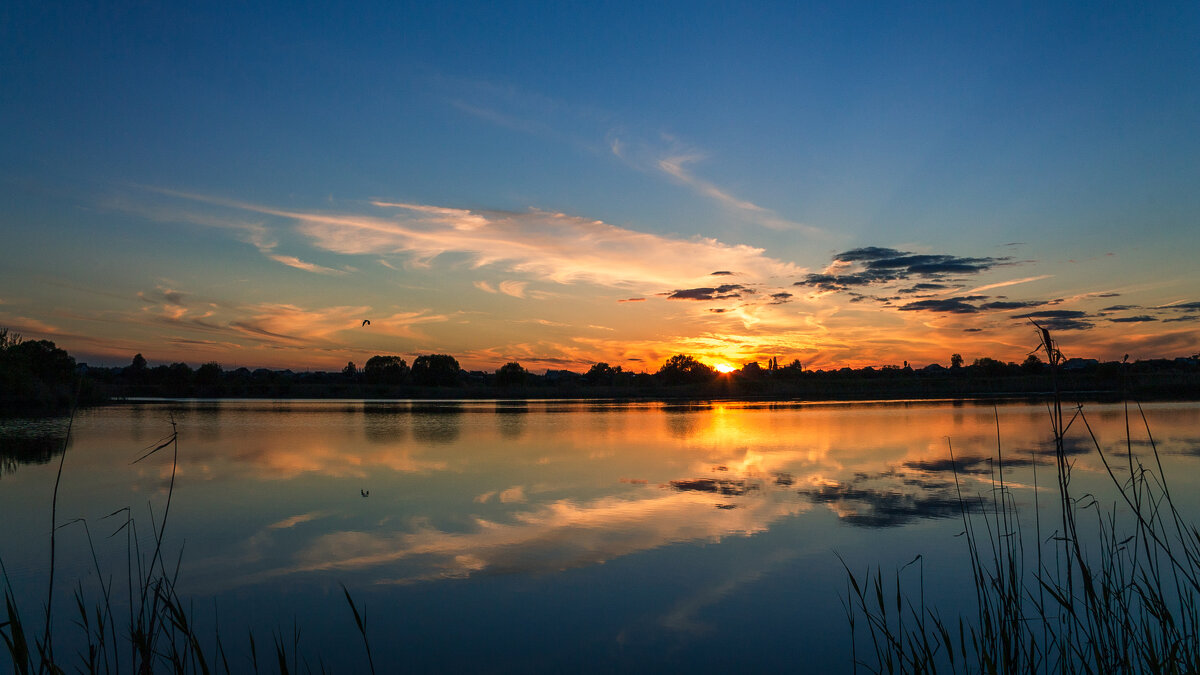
(1091, 591)
(134, 620)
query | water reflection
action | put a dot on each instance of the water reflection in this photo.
(552, 537)
(511, 419)
(545, 493)
(30, 441)
(18, 450)
(437, 423)
(385, 422)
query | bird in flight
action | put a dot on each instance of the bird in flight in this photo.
(365, 493)
(366, 322)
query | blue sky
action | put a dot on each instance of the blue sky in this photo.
(212, 182)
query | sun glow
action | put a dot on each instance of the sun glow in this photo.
(724, 368)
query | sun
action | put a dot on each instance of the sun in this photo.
(724, 368)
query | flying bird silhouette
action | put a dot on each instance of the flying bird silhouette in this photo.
(366, 322)
(365, 493)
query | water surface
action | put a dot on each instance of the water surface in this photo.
(508, 536)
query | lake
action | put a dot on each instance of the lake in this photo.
(548, 536)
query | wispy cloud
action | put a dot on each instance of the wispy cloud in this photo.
(293, 261)
(676, 162)
(675, 166)
(548, 246)
(579, 126)
(1013, 282)
(514, 288)
(253, 232)
(283, 324)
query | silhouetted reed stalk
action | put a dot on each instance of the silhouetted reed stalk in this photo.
(160, 634)
(1128, 605)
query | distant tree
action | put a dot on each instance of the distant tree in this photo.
(511, 374)
(42, 359)
(791, 371)
(350, 371)
(209, 374)
(684, 369)
(385, 370)
(752, 369)
(601, 373)
(1032, 364)
(34, 373)
(988, 366)
(178, 378)
(138, 366)
(435, 370)
(956, 361)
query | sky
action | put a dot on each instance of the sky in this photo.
(561, 184)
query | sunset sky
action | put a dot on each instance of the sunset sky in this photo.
(558, 184)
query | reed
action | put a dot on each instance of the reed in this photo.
(154, 629)
(1107, 591)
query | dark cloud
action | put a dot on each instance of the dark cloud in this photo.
(1108, 295)
(1013, 304)
(972, 330)
(1134, 319)
(837, 282)
(963, 465)
(780, 298)
(721, 273)
(868, 253)
(1053, 314)
(931, 265)
(884, 265)
(869, 507)
(720, 486)
(632, 300)
(959, 305)
(718, 310)
(924, 288)
(1059, 319)
(722, 292)
(1186, 307)
(1182, 318)
(1120, 308)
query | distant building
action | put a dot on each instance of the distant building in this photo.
(561, 376)
(1080, 364)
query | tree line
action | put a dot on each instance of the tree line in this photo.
(38, 374)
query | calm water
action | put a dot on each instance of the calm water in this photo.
(544, 536)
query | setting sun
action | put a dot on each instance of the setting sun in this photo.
(724, 368)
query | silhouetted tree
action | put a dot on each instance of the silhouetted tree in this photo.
(385, 370)
(684, 369)
(175, 378)
(8, 339)
(601, 373)
(1032, 364)
(41, 359)
(350, 371)
(511, 374)
(209, 374)
(138, 366)
(752, 369)
(956, 361)
(439, 370)
(988, 367)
